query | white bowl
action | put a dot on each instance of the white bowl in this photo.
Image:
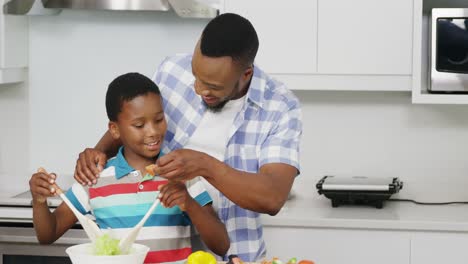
(83, 254)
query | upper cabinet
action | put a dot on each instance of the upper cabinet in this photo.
(333, 44)
(365, 37)
(13, 48)
(287, 32)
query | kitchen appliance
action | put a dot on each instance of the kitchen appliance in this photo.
(18, 242)
(183, 8)
(18, 208)
(449, 51)
(358, 190)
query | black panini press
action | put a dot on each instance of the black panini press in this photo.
(358, 190)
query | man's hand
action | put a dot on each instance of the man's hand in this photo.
(88, 166)
(183, 165)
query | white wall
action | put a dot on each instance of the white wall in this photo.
(14, 136)
(76, 54)
(383, 134)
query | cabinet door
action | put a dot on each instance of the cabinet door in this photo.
(13, 48)
(287, 31)
(365, 37)
(439, 248)
(334, 246)
(14, 41)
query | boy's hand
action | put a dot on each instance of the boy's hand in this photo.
(175, 193)
(41, 187)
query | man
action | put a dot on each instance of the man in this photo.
(229, 123)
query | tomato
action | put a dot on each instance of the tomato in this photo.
(201, 257)
(305, 261)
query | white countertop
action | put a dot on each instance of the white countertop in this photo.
(316, 212)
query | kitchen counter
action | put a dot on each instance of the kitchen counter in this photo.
(325, 227)
(315, 211)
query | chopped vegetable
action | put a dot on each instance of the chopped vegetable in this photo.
(305, 261)
(276, 261)
(106, 246)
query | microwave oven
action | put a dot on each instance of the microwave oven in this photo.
(449, 51)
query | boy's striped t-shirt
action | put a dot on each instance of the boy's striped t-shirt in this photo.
(122, 197)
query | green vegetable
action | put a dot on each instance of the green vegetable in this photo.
(292, 261)
(106, 246)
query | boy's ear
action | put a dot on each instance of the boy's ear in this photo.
(114, 129)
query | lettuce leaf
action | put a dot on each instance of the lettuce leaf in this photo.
(106, 246)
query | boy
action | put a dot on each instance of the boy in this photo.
(124, 193)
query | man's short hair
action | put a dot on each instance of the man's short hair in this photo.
(230, 35)
(124, 88)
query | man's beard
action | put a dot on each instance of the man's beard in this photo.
(216, 108)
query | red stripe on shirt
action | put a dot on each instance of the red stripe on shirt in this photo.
(168, 255)
(124, 188)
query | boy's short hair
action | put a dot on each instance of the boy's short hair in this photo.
(124, 88)
(230, 35)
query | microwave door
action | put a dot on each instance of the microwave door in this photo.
(452, 45)
(449, 50)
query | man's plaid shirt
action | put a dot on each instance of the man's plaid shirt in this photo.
(267, 130)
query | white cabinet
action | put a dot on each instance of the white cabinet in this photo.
(338, 246)
(333, 44)
(13, 47)
(286, 30)
(436, 248)
(365, 246)
(365, 37)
